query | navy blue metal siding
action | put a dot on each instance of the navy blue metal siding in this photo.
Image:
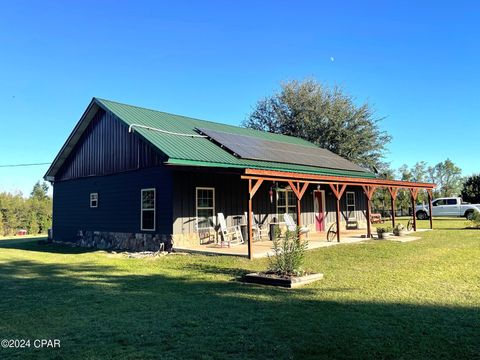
(106, 147)
(118, 209)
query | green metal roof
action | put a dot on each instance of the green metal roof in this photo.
(196, 151)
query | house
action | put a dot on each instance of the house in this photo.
(133, 178)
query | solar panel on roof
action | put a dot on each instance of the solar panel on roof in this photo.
(249, 147)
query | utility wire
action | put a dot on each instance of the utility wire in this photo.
(23, 165)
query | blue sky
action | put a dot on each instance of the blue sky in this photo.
(418, 64)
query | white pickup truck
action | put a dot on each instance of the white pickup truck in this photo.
(452, 206)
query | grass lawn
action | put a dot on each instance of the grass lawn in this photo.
(379, 300)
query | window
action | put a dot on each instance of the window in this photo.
(451, 201)
(205, 206)
(350, 197)
(148, 210)
(94, 200)
(286, 203)
(440, 202)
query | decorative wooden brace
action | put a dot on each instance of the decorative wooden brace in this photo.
(393, 197)
(338, 191)
(414, 193)
(299, 190)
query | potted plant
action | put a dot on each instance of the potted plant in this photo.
(399, 230)
(381, 230)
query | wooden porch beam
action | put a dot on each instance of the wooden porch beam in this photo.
(342, 190)
(338, 190)
(253, 190)
(393, 191)
(430, 197)
(347, 181)
(250, 220)
(335, 179)
(393, 197)
(334, 188)
(304, 189)
(369, 220)
(369, 191)
(414, 194)
(293, 187)
(337, 216)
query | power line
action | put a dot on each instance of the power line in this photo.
(23, 165)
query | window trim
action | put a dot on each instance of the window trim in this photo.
(154, 209)
(205, 207)
(91, 200)
(287, 205)
(350, 205)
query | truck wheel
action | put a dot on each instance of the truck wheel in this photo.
(469, 214)
(421, 215)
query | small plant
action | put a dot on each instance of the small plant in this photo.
(475, 220)
(399, 230)
(289, 254)
(381, 230)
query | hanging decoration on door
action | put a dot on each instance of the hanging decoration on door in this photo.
(273, 188)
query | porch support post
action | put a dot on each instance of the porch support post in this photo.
(252, 189)
(429, 191)
(250, 231)
(414, 193)
(369, 223)
(369, 190)
(338, 191)
(299, 191)
(393, 197)
(299, 210)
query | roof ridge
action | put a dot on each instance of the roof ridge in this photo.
(207, 121)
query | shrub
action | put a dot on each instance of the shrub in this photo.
(383, 229)
(475, 220)
(289, 254)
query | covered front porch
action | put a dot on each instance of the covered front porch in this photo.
(263, 248)
(300, 182)
(337, 208)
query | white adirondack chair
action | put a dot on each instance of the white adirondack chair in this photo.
(204, 230)
(291, 226)
(259, 230)
(232, 235)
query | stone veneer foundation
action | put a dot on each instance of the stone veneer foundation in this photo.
(106, 240)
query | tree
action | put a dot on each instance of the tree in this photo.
(40, 191)
(448, 178)
(419, 172)
(1, 224)
(41, 206)
(32, 226)
(381, 196)
(325, 116)
(471, 189)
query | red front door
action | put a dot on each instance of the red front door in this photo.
(319, 204)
